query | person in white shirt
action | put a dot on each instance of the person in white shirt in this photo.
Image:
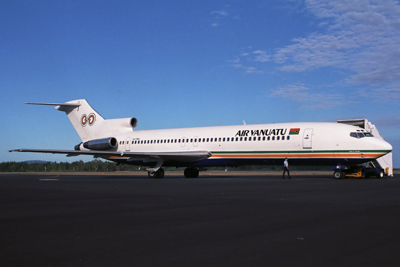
(286, 168)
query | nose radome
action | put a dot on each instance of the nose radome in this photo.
(383, 145)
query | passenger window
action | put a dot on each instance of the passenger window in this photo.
(191, 140)
(278, 137)
(269, 138)
(288, 138)
(273, 138)
(263, 138)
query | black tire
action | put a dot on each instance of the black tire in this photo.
(161, 173)
(157, 174)
(338, 174)
(191, 173)
(152, 175)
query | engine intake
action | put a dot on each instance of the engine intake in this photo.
(101, 144)
(134, 122)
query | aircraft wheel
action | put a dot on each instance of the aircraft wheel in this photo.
(152, 174)
(191, 172)
(157, 174)
(338, 174)
(161, 173)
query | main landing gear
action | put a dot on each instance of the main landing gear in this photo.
(158, 174)
(189, 173)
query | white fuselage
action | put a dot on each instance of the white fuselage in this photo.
(303, 143)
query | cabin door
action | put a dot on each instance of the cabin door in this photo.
(128, 144)
(307, 139)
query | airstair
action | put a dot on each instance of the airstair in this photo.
(385, 162)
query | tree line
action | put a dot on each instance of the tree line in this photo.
(107, 166)
(76, 166)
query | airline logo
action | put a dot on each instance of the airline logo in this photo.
(267, 132)
(85, 120)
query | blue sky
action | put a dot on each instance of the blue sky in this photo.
(183, 63)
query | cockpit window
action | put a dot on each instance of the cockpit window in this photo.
(360, 134)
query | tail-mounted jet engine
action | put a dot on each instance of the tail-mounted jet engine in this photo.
(100, 144)
(121, 123)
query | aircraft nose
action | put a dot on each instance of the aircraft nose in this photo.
(383, 145)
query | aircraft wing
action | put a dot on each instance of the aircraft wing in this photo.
(181, 156)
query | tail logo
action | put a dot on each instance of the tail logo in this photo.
(85, 120)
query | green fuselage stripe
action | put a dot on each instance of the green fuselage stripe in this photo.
(300, 152)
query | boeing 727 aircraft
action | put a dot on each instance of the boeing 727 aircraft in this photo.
(303, 143)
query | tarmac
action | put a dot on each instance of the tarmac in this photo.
(218, 219)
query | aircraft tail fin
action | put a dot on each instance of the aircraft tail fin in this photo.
(83, 117)
(88, 123)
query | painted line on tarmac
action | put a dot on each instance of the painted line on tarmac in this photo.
(53, 178)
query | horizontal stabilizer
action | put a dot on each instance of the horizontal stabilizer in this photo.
(54, 104)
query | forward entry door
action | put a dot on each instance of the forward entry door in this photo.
(307, 139)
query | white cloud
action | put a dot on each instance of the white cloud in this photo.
(222, 13)
(308, 99)
(361, 36)
(261, 56)
(247, 69)
(218, 16)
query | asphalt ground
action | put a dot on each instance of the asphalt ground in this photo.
(215, 220)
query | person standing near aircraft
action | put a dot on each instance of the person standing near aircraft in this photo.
(286, 168)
